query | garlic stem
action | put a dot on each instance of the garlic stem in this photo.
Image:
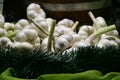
(52, 28)
(100, 32)
(40, 27)
(75, 25)
(93, 19)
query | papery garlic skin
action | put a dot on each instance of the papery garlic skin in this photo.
(81, 43)
(87, 28)
(40, 33)
(44, 44)
(18, 26)
(21, 37)
(2, 21)
(101, 22)
(105, 43)
(23, 22)
(63, 42)
(27, 45)
(3, 32)
(31, 34)
(113, 33)
(4, 40)
(22, 45)
(76, 37)
(34, 10)
(66, 22)
(9, 26)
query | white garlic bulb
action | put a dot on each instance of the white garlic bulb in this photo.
(23, 22)
(22, 45)
(21, 37)
(31, 34)
(44, 44)
(9, 26)
(34, 10)
(3, 32)
(2, 21)
(101, 22)
(66, 22)
(63, 42)
(4, 40)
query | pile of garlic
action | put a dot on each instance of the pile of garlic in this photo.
(48, 35)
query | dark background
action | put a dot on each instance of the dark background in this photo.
(14, 10)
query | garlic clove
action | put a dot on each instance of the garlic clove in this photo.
(83, 34)
(27, 45)
(17, 45)
(31, 14)
(61, 44)
(21, 37)
(9, 26)
(113, 33)
(66, 22)
(40, 33)
(3, 32)
(101, 22)
(76, 37)
(30, 34)
(23, 22)
(37, 40)
(87, 28)
(18, 26)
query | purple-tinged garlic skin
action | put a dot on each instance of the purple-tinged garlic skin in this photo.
(85, 31)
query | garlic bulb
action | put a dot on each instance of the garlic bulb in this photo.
(21, 37)
(2, 21)
(49, 22)
(18, 26)
(31, 34)
(85, 31)
(3, 32)
(4, 40)
(44, 44)
(61, 29)
(34, 10)
(40, 33)
(106, 42)
(66, 22)
(76, 37)
(113, 33)
(9, 26)
(22, 45)
(63, 42)
(23, 22)
(27, 45)
(101, 22)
